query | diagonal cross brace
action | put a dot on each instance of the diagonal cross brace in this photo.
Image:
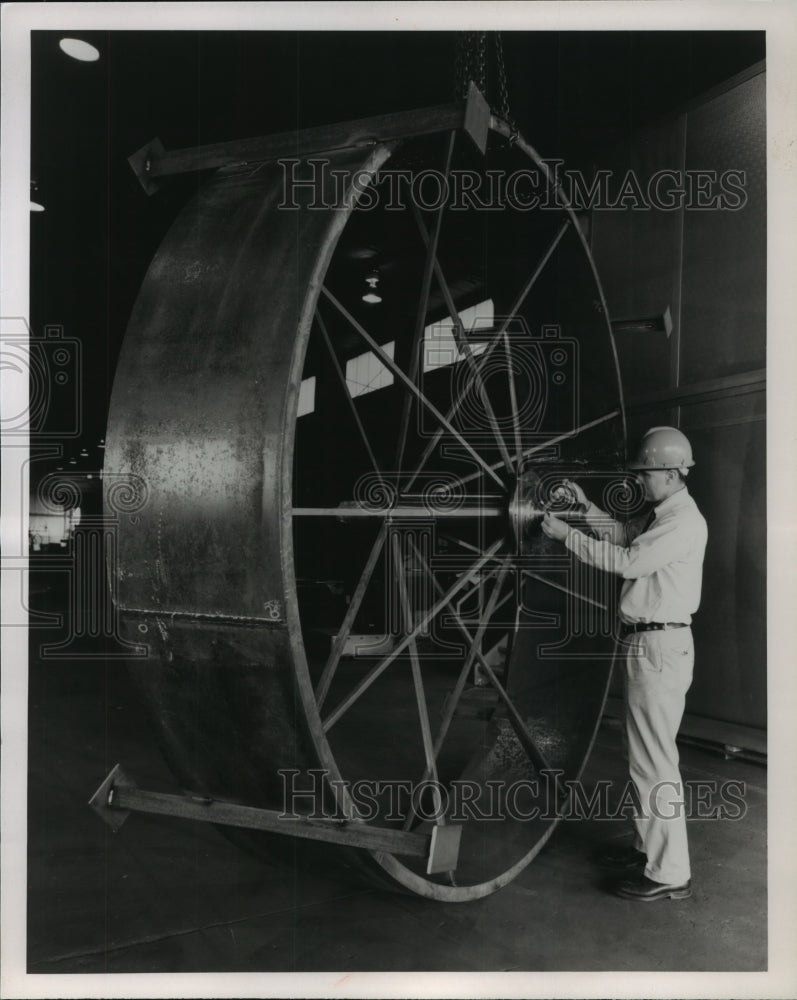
(118, 796)
(153, 162)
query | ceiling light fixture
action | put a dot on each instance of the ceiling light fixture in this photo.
(372, 297)
(75, 48)
(34, 205)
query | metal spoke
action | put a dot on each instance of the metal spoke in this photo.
(490, 348)
(465, 346)
(552, 441)
(518, 724)
(351, 613)
(510, 376)
(389, 363)
(336, 364)
(464, 544)
(503, 601)
(563, 589)
(383, 664)
(435, 438)
(422, 512)
(459, 687)
(523, 734)
(535, 274)
(423, 308)
(528, 452)
(536, 576)
(455, 406)
(417, 679)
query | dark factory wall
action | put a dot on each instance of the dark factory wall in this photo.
(705, 259)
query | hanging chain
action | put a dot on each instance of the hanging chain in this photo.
(462, 64)
(471, 59)
(470, 62)
(459, 68)
(503, 89)
(481, 68)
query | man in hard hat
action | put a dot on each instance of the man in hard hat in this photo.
(661, 561)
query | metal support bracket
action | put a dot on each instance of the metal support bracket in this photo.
(152, 162)
(444, 849)
(477, 117)
(649, 324)
(105, 801)
(141, 164)
(118, 796)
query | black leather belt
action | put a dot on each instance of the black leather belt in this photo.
(650, 626)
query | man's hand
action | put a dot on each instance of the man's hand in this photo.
(576, 491)
(552, 527)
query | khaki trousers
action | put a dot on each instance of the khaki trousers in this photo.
(658, 674)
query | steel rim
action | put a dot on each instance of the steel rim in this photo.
(321, 722)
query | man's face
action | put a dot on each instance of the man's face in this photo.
(657, 483)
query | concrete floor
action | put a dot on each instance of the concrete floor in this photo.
(169, 895)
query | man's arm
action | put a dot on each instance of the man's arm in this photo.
(659, 546)
(606, 527)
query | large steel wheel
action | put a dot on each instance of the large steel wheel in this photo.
(319, 591)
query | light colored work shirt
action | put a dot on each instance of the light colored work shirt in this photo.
(662, 566)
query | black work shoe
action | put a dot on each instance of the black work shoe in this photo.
(622, 859)
(645, 890)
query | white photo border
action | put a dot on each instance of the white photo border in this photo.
(779, 19)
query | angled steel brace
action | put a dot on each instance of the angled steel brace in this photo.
(118, 796)
(153, 162)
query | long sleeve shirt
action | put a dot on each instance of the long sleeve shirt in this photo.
(662, 565)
